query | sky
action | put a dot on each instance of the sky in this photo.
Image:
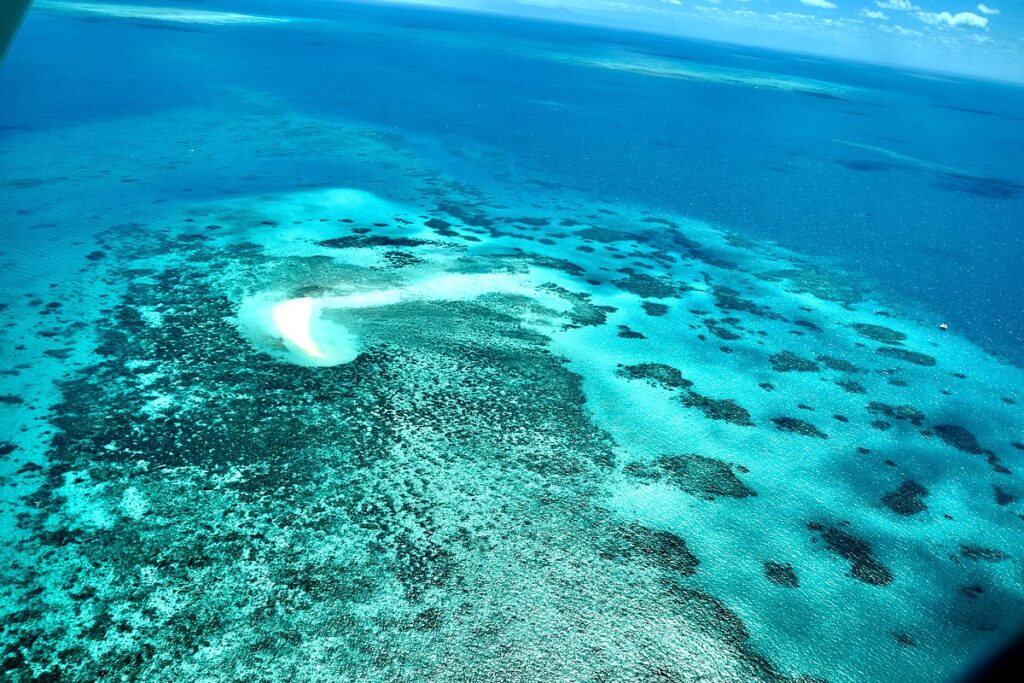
(953, 36)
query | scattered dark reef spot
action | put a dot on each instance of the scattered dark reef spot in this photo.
(906, 413)
(781, 574)
(719, 331)
(650, 287)
(839, 364)
(729, 299)
(879, 333)
(980, 553)
(365, 242)
(959, 438)
(797, 426)
(584, 312)
(989, 188)
(864, 566)
(661, 549)
(469, 214)
(656, 374)
(401, 259)
(914, 357)
(607, 236)
(654, 309)
(695, 474)
(907, 500)
(564, 265)
(441, 227)
(1003, 497)
(725, 409)
(627, 333)
(807, 325)
(849, 386)
(23, 183)
(787, 361)
(904, 639)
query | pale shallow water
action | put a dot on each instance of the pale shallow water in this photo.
(399, 345)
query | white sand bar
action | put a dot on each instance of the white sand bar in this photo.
(172, 14)
(310, 340)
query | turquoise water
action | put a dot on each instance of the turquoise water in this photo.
(345, 342)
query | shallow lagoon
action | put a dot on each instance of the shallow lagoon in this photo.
(571, 427)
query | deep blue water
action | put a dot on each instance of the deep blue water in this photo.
(400, 344)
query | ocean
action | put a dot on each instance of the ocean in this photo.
(357, 342)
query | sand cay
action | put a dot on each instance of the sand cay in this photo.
(300, 326)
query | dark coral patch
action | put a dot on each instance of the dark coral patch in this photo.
(1002, 496)
(904, 639)
(989, 188)
(719, 331)
(725, 409)
(656, 374)
(787, 361)
(796, 426)
(781, 574)
(864, 566)
(564, 265)
(607, 236)
(880, 333)
(907, 500)
(838, 364)
(654, 309)
(729, 299)
(401, 259)
(980, 553)
(959, 438)
(904, 412)
(584, 313)
(364, 242)
(649, 287)
(699, 474)
(851, 387)
(695, 474)
(914, 357)
(662, 549)
(441, 227)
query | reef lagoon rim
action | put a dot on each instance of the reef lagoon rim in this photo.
(313, 383)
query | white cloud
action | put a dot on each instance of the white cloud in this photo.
(824, 4)
(985, 9)
(899, 30)
(873, 14)
(958, 19)
(902, 5)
